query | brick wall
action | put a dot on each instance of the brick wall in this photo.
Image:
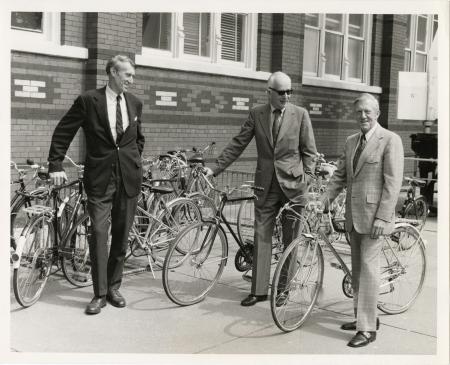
(203, 107)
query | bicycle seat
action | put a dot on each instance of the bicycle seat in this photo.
(195, 159)
(416, 182)
(160, 189)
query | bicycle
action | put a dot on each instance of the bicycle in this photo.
(415, 208)
(299, 273)
(152, 232)
(196, 259)
(24, 198)
(48, 239)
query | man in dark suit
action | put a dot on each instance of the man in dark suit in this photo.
(111, 121)
(371, 168)
(286, 150)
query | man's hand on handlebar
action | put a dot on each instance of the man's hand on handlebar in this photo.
(58, 177)
(208, 171)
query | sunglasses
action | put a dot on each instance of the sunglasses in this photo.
(282, 92)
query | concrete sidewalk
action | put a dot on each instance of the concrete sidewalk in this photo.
(152, 324)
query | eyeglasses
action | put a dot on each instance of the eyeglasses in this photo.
(282, 92)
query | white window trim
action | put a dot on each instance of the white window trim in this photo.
(412, 47)
(48, 42)
(176, 59)
(333, 81)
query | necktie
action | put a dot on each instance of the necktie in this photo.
(276, 124)
(119, 123)
(362, 144)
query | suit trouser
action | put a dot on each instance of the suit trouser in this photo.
(264, 226)
(107, 270)
(365, 279)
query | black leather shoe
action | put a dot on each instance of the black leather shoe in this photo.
(96, 305)
(281, 300)
(362, 338)
(253, 299)
(115, 298)
(351, 326)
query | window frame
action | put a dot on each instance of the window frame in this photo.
(411, 48)
(47, 42)
(343, 82)
(177, 59)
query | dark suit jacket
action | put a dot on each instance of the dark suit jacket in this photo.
(294, 151)
(89, 111)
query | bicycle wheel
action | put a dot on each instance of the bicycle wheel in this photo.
(31, 274)
(417, 210)
(176, 215)
(296, 283)
(205, 204)
(402, 269)
(75, 260)
(194, 263)
(246, 220)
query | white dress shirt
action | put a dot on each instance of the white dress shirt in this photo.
(111, 103)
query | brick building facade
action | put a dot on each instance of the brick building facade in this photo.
(185, 107)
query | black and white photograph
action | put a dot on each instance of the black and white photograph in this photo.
(226, 182)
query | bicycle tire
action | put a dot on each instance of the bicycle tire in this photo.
(188, 278)
(75, 259)
(300, 284)
(36, 258)
(205, 204)
(417, 210)
(405, 266)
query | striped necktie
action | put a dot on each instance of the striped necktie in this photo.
(119, 122)
(276, 124)
(362, 144)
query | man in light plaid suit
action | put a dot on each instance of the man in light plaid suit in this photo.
(371, 168)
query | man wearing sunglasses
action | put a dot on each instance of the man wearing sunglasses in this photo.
(285, 152)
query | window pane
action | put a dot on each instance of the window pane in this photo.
(333, 54)
(408, 32)
(421, 33)
(356, 25)
(231, 29)
(356, 58)
(333, 22)
(196, 34)
(27, 20)
(421, 62)
(312, 20)
(435, 25)
(407, 61)
(311, 51)
(156, 30)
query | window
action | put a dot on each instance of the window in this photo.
(40, 32)
(231, 29)
(337, 47)
(157, 31)
(28, 21)
(420, 31)
(204, 42)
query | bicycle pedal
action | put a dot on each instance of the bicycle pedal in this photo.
(247, 278)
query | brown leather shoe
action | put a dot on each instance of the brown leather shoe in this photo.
(115, 298)
(362, 338)
(96, 305)
(351, 326)
(253, 299)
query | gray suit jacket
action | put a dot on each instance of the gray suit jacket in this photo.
(294, 151)
(373, 189)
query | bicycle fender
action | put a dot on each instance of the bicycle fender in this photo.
(308, 235)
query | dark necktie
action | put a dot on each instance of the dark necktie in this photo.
(362, 144)
(119, 122)
(276, 124)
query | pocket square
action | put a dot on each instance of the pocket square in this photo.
(135, 118)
